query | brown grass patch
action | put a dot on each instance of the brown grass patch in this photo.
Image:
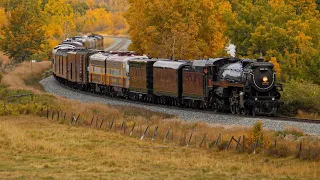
(306, 115)
(5, 59)
(26, 76)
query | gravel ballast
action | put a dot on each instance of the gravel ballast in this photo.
(52, 86)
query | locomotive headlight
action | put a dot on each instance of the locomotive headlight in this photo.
(265, 79)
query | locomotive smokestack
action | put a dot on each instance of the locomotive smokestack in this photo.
(260, 59)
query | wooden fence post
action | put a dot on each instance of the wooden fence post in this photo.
(101, 122)
(144, 133)
(229, 143)
(166, 136)
(52, 115)
(134, 124)
(155, 133)
(124, 128)
(71, 119)
(189, 139)
(58, 118)
(47, 113)
(217, 141)
(91, 121)
(238, 143)
(76, 120)
(111, 125)
(202, 141)
(300, 147)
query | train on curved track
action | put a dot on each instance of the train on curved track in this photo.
(241, 86)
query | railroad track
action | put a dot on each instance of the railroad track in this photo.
(120, 44)
(276, 118)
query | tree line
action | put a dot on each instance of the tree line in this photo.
(31, 28)
(285, 32)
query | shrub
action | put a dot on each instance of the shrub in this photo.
(256, 134)
(310, 152)
(291, 130)
(34, 105)
(300, 95)
(280, 151)
(223, 145)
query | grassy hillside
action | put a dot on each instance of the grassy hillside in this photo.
(33, 147)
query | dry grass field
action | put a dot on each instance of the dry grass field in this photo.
(36, 148)
(26, 76)
(33, 147)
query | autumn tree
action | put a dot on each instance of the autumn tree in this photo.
(282, 31)
(97, 20)
(59, 22)
(23, 34)
(179, 29)
(2, 19)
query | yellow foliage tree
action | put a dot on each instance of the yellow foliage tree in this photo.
(2, 19)
(277, 68)
(59, 22)
(288, 30)
(97, 20)
(178, 29)
(23, 35)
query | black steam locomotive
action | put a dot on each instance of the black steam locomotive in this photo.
(247, 86)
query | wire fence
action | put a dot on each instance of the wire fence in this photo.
(189, 138)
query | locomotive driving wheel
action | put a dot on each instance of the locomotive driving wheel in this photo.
(234, 102)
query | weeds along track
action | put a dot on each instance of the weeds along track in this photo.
(272, 123)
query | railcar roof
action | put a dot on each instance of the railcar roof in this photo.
(99, 56)
(75, 43)
(96, 36)
(169, 64)
(148, 60)
(62, 52)
(116, 57)
(199, 63)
